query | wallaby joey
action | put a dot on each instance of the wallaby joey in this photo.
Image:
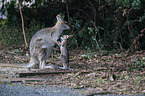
(43, 41)
(64, 56)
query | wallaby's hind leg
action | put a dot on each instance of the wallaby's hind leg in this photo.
(64, 62)
(43, 55)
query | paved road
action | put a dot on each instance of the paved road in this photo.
(46, 90)
(21, 90)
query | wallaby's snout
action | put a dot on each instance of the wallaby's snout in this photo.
(66, 26)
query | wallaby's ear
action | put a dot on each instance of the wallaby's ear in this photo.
(59, 18)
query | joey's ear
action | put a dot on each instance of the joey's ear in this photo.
(70, 35)
(59, 18)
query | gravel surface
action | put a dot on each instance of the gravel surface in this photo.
(46, 90)
(22, 90)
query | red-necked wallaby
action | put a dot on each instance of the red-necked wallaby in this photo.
(43, 41)
(64, 56)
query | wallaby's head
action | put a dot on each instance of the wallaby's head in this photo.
(61, 20)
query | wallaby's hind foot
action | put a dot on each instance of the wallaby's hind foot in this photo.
(66, 68)
(42, 56)
(52, 67)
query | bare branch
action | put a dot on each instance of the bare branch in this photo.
(26, 44)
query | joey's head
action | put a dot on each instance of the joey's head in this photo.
(65, 37)
(62, 22)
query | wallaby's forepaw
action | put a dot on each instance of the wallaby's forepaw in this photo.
(58, 43)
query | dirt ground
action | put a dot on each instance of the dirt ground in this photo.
(106, 71)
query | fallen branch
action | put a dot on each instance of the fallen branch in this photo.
(24, 74)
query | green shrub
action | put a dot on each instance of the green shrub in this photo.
(10, 35)
(13, 35)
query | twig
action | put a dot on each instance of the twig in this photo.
(67, 12)
(81, 10)
(128, 25)
(96, 34)
(26, 44)
(94, 10)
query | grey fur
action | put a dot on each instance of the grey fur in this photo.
(64, 56)
(43, 41)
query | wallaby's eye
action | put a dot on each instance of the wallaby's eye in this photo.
(59, 19)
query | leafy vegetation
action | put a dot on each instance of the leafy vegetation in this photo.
(100, 24)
